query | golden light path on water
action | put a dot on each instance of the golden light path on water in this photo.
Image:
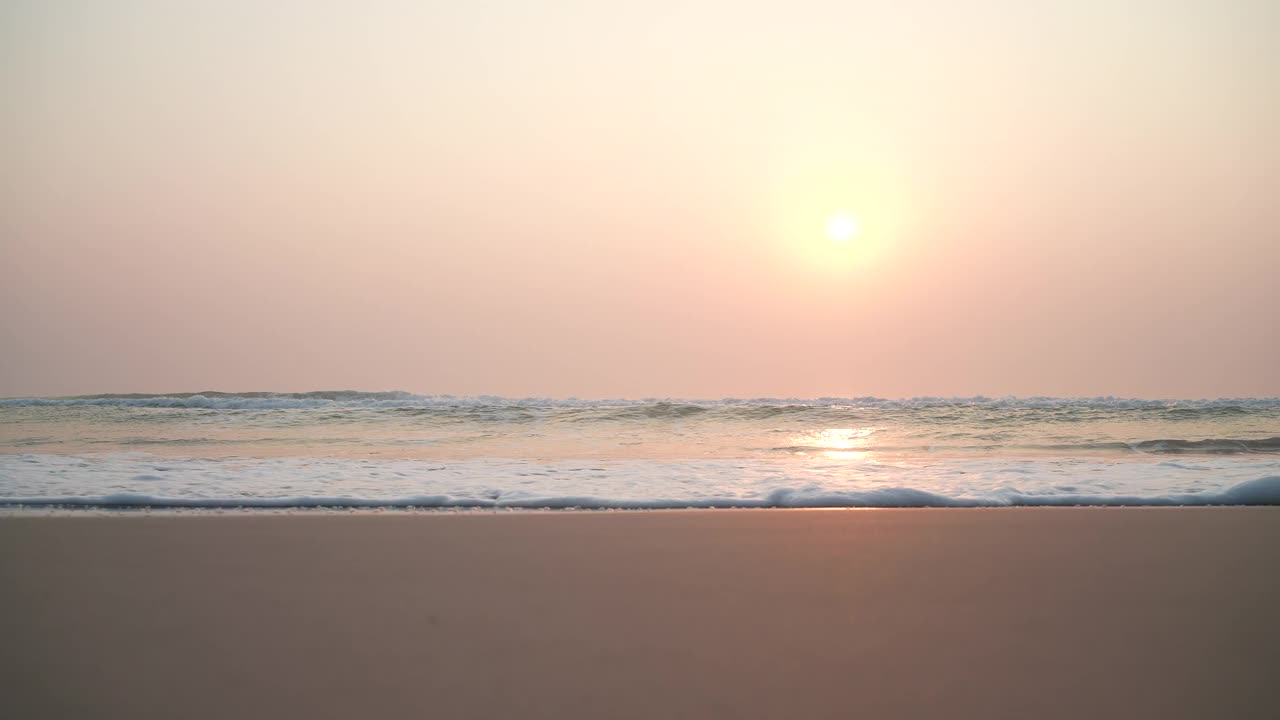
(837, 443)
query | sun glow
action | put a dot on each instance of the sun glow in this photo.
(829, 226)
(842, 227)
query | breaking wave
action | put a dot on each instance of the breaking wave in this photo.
(1216, 446)
(1210, 447)
(648, 407)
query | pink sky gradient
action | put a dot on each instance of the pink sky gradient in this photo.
(628, 199)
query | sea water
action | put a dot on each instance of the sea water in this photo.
(396, 449)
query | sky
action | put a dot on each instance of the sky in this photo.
(630, 199)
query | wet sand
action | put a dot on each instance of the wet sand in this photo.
(1006, 613)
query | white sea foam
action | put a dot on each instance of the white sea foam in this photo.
(140, 480)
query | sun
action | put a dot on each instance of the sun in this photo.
(842, 227)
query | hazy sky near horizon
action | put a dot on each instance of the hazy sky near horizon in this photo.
(629, 199)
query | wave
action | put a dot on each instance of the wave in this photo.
(1210, 447)
(646, 407)
(1215, 446)
(1262, 491)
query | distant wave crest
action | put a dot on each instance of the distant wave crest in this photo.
(647, 407)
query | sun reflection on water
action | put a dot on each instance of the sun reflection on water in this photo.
(838, 443)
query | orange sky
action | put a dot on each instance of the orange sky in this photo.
(629, 199)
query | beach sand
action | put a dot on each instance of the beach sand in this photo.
(1000, 613)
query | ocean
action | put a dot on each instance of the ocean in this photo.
(402, 450)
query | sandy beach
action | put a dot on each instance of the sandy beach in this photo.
(1047, 613)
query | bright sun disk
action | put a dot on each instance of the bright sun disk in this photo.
(842, 227)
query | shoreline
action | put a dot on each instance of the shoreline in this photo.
(894, 613)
